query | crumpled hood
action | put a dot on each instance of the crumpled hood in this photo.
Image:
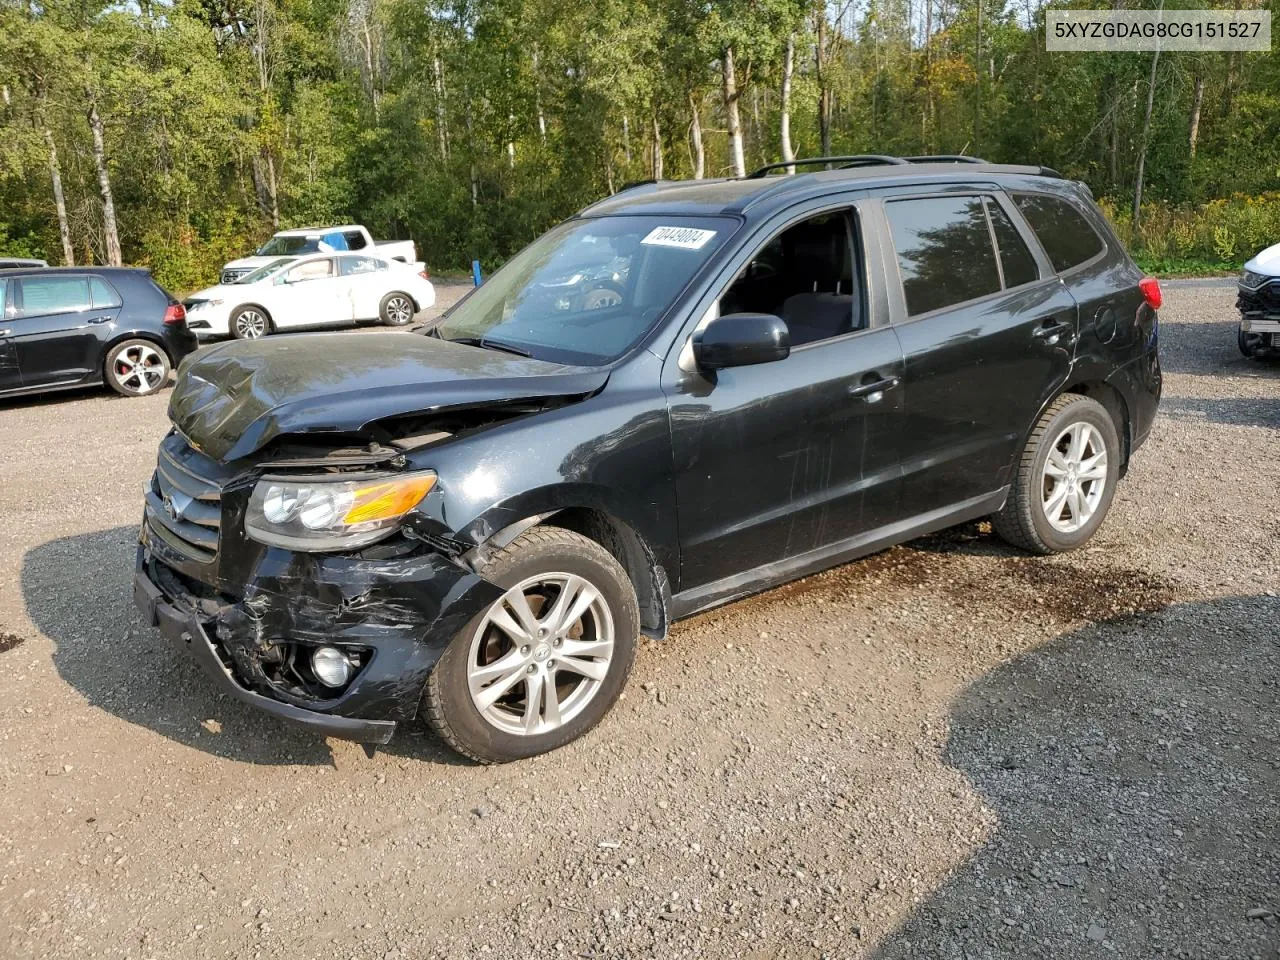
(1266, 263)
(235, 398)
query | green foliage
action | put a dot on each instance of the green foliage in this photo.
(472, 126)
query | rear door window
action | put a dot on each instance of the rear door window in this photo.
(355, 240)
(1067, 237)
(354, 266)
(1015, 259)
(42, 296)
(945, 254)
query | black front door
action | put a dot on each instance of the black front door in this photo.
(62, 325)
(988, 334)
(775, 461)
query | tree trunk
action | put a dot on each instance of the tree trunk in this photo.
(784, 115)
(1146, 133)
(824, 92)
(537, 100)
(731, 93)
(626, 138)
(59, 201)
(112, 235)
(442, 130)
(695, 134)
(657, 147)
(1197, 99)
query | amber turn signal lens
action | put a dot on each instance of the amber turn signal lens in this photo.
(388, 499)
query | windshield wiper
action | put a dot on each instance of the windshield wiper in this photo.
(489, 344)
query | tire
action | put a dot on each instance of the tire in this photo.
(137, 368)
(1250, 344)
(250, 322)
(1025, 521)
(538, 566)
(397, 309)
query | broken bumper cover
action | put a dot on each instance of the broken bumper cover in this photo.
(405, 612)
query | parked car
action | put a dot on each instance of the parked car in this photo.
(297, 243)
(63, 327)
(800, 370)
(313, 291)
(21, 263)
(1259, 305)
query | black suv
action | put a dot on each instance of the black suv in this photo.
(64, 327)
(477, 521)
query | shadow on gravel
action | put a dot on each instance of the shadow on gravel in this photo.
(1132, 768)
(1234, 411)
(79, 593)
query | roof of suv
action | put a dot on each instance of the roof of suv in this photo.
(737, 195)
(87, 268)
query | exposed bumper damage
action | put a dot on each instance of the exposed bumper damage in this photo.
(393, 616)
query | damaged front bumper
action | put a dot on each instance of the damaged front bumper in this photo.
(396, 615)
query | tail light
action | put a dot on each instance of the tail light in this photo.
(424, 273)
(175, 315)
(1150, 288)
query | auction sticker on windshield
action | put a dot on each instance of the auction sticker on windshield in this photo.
(686, 238)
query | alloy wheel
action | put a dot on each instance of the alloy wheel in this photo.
(250, 324)
(139, 369)
(399, 310)
(540, 654)
(1074, 477)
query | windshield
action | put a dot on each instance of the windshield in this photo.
(263, 272)
(588, 290)
(289, 245)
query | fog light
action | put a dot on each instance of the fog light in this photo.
(331, 666)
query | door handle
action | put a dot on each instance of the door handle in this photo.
(1052, 331)
(106, 319)
(873, 392)
(5, 333)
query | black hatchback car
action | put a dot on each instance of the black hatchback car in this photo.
(63, 327)
(476, 522)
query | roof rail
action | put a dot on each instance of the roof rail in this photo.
(944, 158)
(854, 160)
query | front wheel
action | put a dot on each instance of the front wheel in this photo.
(396, 309)
(136, 368)
(1065, 479)
(250, 323)
(543, 663)
(1250, 343)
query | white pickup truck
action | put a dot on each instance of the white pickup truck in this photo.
(304, 240)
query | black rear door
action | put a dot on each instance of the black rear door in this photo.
(10, 376)
(988, 334)
(62, 325)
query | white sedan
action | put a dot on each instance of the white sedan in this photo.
(315, 291)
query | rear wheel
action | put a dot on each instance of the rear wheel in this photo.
(1065, 479)
(136, 368)
(250, 323)
(397, 309)
(544, 662)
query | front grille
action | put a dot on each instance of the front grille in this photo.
(232, 275)
(1263, 302)
(183, 508)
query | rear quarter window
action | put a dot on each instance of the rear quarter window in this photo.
(103, 294)
(1067, 237)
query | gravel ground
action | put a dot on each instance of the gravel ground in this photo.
(946, 750)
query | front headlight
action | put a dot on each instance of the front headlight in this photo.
(332, 515)
(1250, 279)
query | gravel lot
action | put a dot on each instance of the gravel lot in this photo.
(947, 750)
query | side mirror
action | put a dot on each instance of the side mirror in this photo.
(740, 340)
